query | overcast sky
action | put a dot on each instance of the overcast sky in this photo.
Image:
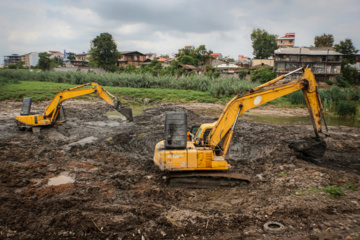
(164, 26)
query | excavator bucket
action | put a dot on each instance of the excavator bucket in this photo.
(126, 111)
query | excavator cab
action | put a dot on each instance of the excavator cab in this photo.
(175, 130)
(26, 106)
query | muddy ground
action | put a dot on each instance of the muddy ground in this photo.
(93, 178)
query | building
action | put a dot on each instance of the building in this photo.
(165, 62)
(57, 54)
(357, 62)
(243, 61)
(12, 59)
(268, 62)
(286, 41)
(132, 58)
(227, 68)
(188, 68)
(81, 60)
(217, 56)
(150, 56)
(215, 59)
(31, 59)
(324, 62)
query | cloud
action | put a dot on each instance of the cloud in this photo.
(164, 26)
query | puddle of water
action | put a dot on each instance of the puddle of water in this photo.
(291, 120)
(115, 115)
(136, 110)
(63, 178)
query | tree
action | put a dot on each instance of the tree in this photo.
(194, 56)
(186, 59)
(44, 61)
(56, 61)
(347, 48)
(20, 65)
(325, 40)
(104, 52)
(263, 43)
(229, 59)
(263, 74)
(71, 56)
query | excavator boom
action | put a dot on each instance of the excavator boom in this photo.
(53, 112)
(207, 149)
(223, 130)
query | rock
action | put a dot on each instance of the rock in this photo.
(146, 101)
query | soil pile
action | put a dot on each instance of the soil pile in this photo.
(114, 191)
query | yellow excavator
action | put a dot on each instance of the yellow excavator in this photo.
(54, 112)
(203, 150)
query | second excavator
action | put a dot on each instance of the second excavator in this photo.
(205, 152)
(54, 112)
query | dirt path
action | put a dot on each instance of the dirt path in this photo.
(104, 185)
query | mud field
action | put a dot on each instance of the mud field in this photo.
(93, 178)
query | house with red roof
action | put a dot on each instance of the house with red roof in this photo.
(243, 61)
(57, 54)
(288, 40)
(165, 62)
(216, 55)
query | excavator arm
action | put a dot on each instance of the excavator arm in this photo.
(53, 110)
(221, 135)
(203, 153)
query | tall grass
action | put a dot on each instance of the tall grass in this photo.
(4, 81)
(342, 102)
(218, 87)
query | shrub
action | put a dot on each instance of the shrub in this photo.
(346, 108)
(334, 191)
(263, 74)
(296, 98)
(329, 82)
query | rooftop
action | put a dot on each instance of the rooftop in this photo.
(308, 51)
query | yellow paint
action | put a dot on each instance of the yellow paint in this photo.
(203, 154)
(52, 110)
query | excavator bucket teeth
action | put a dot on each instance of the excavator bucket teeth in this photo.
(126, 111)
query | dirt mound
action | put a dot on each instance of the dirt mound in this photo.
(118, 193)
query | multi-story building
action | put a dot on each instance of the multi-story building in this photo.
(31, 59)
(12, 59)
(81, 60)
(324, 62)
(132, 58)
(286, 41)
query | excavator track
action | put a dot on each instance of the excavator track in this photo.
(205, 180)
